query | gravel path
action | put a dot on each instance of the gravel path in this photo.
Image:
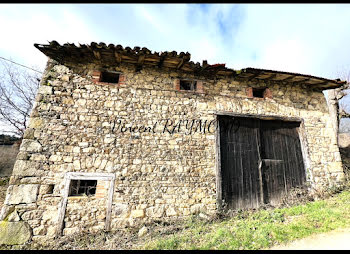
(338, 239)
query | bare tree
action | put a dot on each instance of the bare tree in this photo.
(339, 103)
(344, 101)
(18, 88)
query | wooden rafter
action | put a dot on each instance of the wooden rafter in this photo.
(161, 61)
(272, 76)
(253, 76)
(140, 61)
(181, 63)
(97, 54)
(288, 79)
(301, 81)
(322, 84)
(118, 57)
(205, 67)
(217, 70)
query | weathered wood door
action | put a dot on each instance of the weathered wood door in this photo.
(261, 160)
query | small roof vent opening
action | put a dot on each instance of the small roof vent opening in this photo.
(259, 92)
(109, 77)
(188, 85)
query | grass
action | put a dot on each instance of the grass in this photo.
(252, 230)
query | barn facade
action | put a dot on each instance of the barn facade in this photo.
(119, 137)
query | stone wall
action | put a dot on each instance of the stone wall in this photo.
(84, 214)
(159, 175)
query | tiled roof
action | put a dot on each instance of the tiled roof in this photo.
(100, 53)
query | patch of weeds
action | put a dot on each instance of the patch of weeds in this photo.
(261, 229)
(168, 244)
(4, 181)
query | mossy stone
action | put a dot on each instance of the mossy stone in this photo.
(14, 233)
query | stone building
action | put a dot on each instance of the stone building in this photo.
(120, 137)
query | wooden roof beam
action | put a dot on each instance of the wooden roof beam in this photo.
(118, 57)
(216, 71)
(253, 76)
(184, 60)
(97, 54)
(271, 77)
(205, 67)
(140, 61)
(180, 64)
(161, 61)
(288, 79)
(324, 84)
(300, 81)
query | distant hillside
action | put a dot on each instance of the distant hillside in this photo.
(8, 140)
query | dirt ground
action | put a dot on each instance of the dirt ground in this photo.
(338, 239)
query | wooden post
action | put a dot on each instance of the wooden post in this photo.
(218, 167)
(333, 111)
(63, 205)
(109, 204)
(305, 152)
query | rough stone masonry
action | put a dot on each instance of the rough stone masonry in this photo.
(161, 171)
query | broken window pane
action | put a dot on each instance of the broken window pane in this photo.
(82, 187)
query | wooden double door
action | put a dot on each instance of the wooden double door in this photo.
(261, 160)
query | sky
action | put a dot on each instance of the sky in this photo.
(304, 38)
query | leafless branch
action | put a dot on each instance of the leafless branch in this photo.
(18, 89)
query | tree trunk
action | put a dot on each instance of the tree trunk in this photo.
(333, 111)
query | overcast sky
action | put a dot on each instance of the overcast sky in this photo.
(304, 38)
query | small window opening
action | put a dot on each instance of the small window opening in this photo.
(83, 187)
(109, 77)
(259, 92)
(50, 189)
(188, 85)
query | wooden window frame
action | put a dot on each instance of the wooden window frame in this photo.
(85, 176)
